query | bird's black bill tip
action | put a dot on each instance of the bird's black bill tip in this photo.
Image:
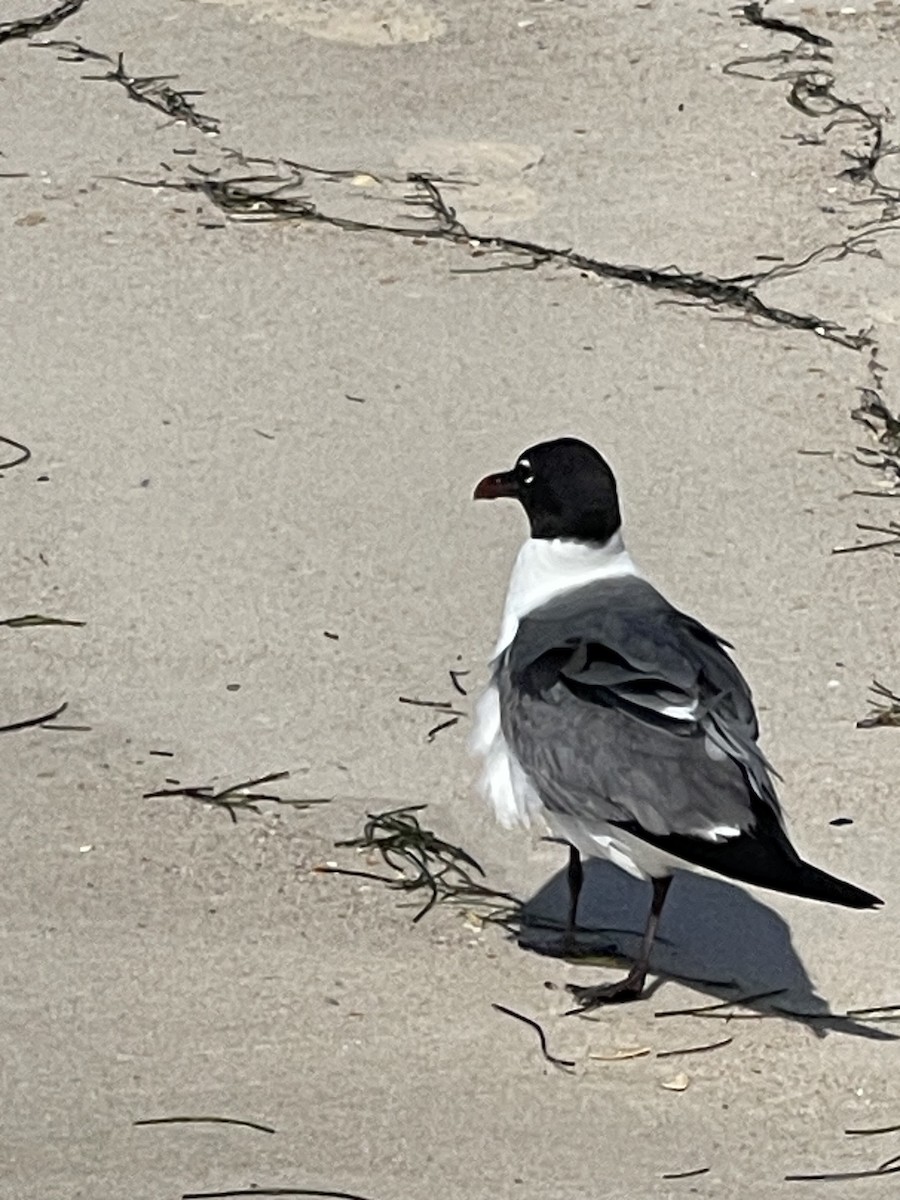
(497, 487)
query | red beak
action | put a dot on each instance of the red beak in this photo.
(496, 487)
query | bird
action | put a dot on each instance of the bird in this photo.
(621, 721)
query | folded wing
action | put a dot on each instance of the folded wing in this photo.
(621, 707)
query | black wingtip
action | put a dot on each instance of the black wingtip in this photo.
(816, 884)
(765, 858)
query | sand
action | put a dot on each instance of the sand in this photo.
(203, 495)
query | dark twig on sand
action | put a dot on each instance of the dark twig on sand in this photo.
(205, 1121)
(566, 1064)
(239, 795)
(423, 861)
(26, 27)
(686, 1174)
(882, 713)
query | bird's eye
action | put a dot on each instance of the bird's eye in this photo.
(523, 470)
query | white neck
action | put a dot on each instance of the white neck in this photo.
(547, 567)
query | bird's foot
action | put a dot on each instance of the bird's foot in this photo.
(620, 992)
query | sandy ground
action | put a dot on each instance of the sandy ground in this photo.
(206, 499)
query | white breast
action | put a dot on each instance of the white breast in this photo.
(502, 781)
(543, 569)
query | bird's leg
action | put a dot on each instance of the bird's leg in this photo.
(632, 985)
(575, 878)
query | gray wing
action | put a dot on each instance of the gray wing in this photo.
(622, 709)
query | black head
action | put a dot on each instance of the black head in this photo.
(566, 489)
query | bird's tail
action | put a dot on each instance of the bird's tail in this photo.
(764, 857)
(815, 884)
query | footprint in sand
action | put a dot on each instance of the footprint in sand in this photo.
(355, 22)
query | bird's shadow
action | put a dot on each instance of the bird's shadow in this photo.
(713, 936)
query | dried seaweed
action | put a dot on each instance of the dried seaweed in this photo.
(798, 54)
(440, 727)
(881, 713)
(872, 1132)
(26, 27)
(42, 721)
(425, 862)
(70, 51)
(278, 197)
(205, 1121)
(695, 1049)
(873, 412)
(876, 1012)
(813, 95)
(891, 538)
(444, 707)
(853, 1020)
(155, 91)
(844, 1176)
(32, 619)
(809, 48)
(455, 677)
(258, 1191)
(715, 1010)
(239, 795)
(566, 1064)
(753, 15)
(275, 197)
(22, 456)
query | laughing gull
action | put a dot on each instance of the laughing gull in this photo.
(621, 721)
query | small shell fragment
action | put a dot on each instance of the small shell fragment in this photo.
(678, 1083)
